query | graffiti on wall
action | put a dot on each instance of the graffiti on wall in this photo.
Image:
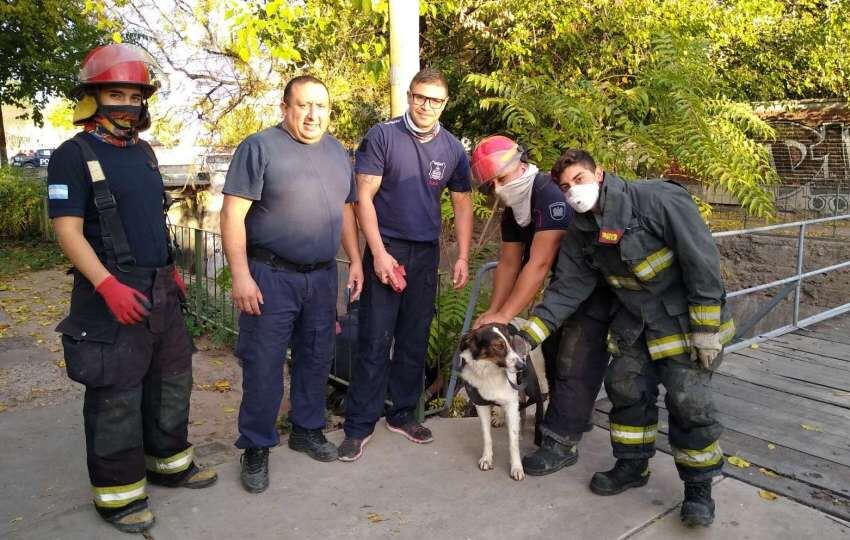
(817, 161)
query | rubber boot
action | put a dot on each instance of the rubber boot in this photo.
(627, 473)
(552, 456)
(698, 507)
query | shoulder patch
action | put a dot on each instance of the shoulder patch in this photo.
(558, 210)
(57, 191)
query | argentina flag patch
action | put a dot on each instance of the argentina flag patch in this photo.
(57, 191)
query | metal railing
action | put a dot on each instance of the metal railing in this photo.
(791, 283)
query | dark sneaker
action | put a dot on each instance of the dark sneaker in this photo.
(552, 456)
(352, 448)
(255, 469)
(698, 507)
(627, 473)
(136, 517)
(414, 431)
(313, 443)
(193, 478)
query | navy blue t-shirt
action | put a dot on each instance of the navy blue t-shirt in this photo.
(549, 211)
(136, 184)
(299, 191)
(413, 176)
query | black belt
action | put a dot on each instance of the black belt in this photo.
(270, 258)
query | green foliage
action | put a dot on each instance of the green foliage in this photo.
(29, 255)
(211, 313)
(22, 203)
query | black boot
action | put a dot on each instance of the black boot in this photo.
(698, 507)
(627, 473)
(552, 456)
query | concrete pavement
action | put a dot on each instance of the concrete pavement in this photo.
(397, 490)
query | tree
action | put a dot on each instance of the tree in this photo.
(41, 45)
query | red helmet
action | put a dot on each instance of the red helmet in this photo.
(493, 156)
(116, 63)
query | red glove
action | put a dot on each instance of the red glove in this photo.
(400, 282)
(127, 304)
(178, 279)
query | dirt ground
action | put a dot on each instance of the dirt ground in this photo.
(31, 304)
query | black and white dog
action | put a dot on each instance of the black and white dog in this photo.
(491, 359)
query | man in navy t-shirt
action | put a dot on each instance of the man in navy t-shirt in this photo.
(287, 204)
(533, 225)
(402, 167)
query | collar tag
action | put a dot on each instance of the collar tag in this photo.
(610, 236)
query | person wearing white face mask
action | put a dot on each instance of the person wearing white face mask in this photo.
(648, 243)
(532, 227)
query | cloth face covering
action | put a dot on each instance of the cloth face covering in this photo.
(423, 135)
(115, 124)
(583, 197)
(517, 195)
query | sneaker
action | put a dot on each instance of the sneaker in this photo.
(193, 478)
(698, 506)
(255, 469)
(627, 473)
(352, 448)
(414, 431)
(313, 443)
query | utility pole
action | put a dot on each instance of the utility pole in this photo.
(404, 51)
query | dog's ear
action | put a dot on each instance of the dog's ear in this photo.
(467, 341)
(520, 346)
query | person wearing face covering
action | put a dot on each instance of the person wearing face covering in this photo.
(646, 242)
(125, 338)
(533, 224)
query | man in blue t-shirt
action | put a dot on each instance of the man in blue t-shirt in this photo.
(287, 204)
(533, 225)
(402, 167)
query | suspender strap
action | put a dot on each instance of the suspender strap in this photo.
(111, 228)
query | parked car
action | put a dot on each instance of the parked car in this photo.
(39, 158)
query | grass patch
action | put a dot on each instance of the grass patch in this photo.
(28, 256)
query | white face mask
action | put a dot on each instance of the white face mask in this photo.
(583, 197)
(517, 195)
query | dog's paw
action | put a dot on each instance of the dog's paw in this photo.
(486, 462)
(497, 419)
(517, 473)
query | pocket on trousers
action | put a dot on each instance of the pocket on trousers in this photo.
(84, 343)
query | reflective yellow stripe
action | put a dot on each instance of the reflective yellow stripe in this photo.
(537, 329)
(611, 343)
(668, 346)
(708, 456)
(174, 464)
(727, 331)
(623, 282)
(705, 315)
(654, 264)
(118, 496)
(623, 434)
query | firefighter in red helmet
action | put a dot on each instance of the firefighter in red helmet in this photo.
(125, 338)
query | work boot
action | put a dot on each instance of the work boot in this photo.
(255, 469)
(627, 473)
(552, 456)
(313, 443)
(698, 507)
(193, 478)
(136, 517)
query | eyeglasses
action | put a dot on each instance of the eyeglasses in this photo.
(433, 103)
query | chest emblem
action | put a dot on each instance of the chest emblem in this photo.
(436, 172)
(609, 236)
(558, 210)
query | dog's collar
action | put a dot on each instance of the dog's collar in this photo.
(522, 382)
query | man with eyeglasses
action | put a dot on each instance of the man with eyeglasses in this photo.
(288, 203)
(402, 167)
(533, 223)
(646, 241)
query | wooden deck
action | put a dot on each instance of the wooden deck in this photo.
(786, 408)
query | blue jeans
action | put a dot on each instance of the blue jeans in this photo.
(398, 320)
(299, 309)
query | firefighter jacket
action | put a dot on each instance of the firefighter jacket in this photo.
(652, 248)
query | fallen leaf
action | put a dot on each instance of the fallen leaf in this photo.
(15, 520)
(375, 518)
(768, 472)
(738, 462)
(4, 326)
(61, 362)
(229, 409)
(754, 346)
(771, 446)
(767, 495)
(811, 428)
(222, 385)
(2, 408)
(218, 362)
(197, 422)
